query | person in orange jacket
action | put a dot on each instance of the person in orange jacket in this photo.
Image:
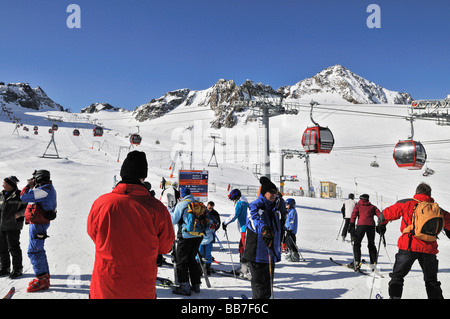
(412, 248)
(129, 228)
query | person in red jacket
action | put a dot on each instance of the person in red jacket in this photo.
(129, 228)
(365, 212)
(412, 248)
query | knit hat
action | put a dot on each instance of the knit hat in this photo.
(134, 166)
(12, 181)
(364, 196)
(185, 191)
(266, 185)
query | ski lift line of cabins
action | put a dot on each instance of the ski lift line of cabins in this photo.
(409, 153)
(317, 139)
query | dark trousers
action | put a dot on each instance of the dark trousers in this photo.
(403, 262)
(261, 285)
(10, 244)
(187, 266)
(290, 241)
(361, 231)
(345, 227)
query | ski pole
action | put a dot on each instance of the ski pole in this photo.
(340, 228)
(387, 254)
(231, 255)
(217, 238)
(376, 265)
(270, 273)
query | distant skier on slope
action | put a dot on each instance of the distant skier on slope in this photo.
(365, 212)
(240, 214)
(411, 248)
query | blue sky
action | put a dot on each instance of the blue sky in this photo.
(130, 51)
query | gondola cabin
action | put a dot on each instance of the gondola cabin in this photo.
(98, 131)
(35, 128)
(410, 154)
(50, 131)
(135, 139)
(76, 132)
(54, 127)
(317, 139)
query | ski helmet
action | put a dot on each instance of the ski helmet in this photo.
(290, 202)
(41, 176)
(235, 194)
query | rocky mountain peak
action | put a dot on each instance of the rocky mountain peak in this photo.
(23, 95)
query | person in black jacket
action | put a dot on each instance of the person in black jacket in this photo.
(12, 211)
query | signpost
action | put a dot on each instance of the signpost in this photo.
(196, 181)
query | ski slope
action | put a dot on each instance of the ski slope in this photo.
(88, 165)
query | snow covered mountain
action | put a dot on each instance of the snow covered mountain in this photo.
(21, 94)
(335, 84)
(341, 82)
(97, 107)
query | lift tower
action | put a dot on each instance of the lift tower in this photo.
(263, 109)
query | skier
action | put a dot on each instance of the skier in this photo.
(347, 210)
(240, 214)
(291, 230)
(187, 247)
(412, 248)
(129, 228)
(205, 248)
(365, 212)
(12, 211)
(40, 195)
(263, 238)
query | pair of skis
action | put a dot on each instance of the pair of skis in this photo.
(359, 270)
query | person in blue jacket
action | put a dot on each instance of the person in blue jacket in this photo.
(186, 247)
(291, 230)
(263, 238)
(41, 197)
(240, 214)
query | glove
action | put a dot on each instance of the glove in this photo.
(267, 236)
(224, 226)
(380, 229)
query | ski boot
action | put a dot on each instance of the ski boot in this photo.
(183, 289)
(39, 283)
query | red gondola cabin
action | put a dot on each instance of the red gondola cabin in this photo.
(98, 131)
(410, 154)
(135, 139)
(317, 139)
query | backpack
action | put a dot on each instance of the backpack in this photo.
(426, 222)
(197, 220)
